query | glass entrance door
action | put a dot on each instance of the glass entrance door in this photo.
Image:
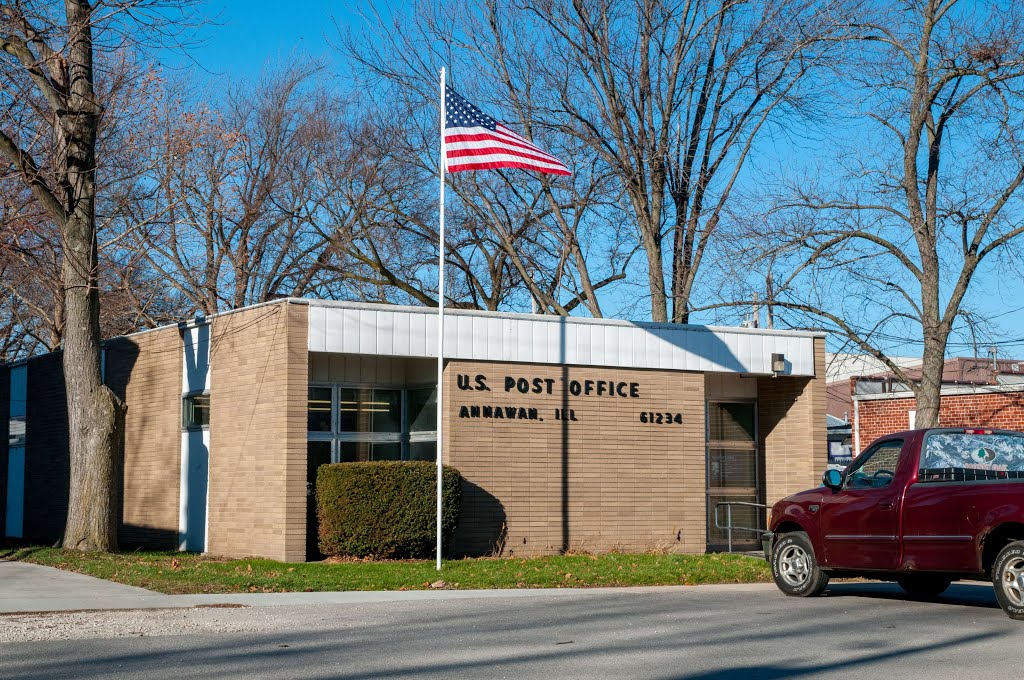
(733, 474)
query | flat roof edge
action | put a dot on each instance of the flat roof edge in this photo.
(190, 323)
(449, 311)
(950, 391)
(549, 318)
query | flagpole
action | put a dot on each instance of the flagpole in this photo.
(440, 330)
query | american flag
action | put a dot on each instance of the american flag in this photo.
(475, 141)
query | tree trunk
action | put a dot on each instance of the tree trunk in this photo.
(929, 391)
(95, 414)
(649, 223)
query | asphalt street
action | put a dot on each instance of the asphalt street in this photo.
(863, 630)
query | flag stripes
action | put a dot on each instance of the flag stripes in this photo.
(475, 141)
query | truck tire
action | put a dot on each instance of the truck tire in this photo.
(1008, 579)
(795, 568)
(924, 586)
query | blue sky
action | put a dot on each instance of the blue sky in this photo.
(247, 36)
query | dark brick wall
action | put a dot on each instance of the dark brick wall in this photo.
(144, 371)
(5, 395)
(46, 450)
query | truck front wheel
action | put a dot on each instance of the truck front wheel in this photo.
(1008, 579)
(795, 568)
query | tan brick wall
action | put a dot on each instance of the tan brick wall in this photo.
(791, 425)
(627, 485)
(145, 370)
(258, 392)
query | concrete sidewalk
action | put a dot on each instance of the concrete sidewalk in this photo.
(28, 587)
(31, 587)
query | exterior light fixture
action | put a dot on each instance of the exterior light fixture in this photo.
(778, 364)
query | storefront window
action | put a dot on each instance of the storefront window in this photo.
(423, 410)
(348, 411)
(375, 423)
(385, 410)
(349, 452)
(369, 410)
(319, 410)
(360, 452)
(386, 451)
(423, 450)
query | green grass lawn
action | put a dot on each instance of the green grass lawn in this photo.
(169, 572)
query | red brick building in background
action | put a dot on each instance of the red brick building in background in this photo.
(975, 393)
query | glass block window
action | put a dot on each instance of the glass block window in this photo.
(16, 431)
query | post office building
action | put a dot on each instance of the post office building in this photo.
(571, 434)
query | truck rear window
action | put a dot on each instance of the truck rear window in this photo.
(969, 456)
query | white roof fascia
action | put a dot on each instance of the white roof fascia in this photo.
(947, 391)
(390, 330)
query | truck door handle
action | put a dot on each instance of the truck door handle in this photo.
(886, 505)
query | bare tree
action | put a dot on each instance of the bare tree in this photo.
(50, 113)
(673, 97)
(30, 243)
(930, 196)
(227, 221)
(514, 237)
(554, 242)
(29, 300)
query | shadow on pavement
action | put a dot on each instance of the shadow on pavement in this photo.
(693, 637)
(966, 594)
(752, 672)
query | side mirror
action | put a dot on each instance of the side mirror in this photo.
(833, 479)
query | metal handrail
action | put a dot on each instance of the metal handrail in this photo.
(729, 526)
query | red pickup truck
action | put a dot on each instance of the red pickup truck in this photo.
(923, 508)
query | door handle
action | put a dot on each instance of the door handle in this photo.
(886, 505)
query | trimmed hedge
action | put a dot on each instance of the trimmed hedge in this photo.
(385, 509)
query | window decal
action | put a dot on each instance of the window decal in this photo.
(960, 456)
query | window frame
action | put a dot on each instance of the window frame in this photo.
(754, 494)
(404, 437)
(865, 458)
(189, 427)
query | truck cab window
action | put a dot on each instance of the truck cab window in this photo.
(875, 468)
